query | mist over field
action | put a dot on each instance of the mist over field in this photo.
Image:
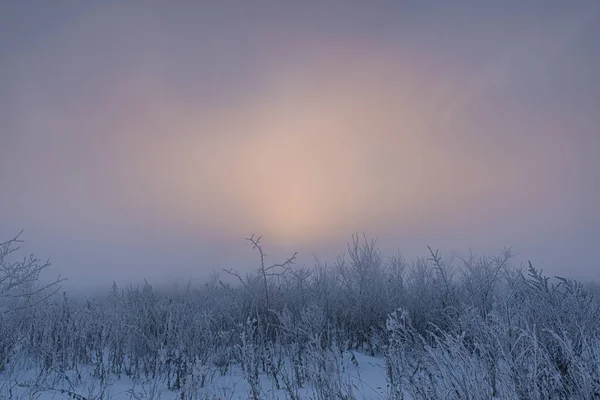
(299, 200)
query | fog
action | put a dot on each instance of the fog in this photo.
(149, 141)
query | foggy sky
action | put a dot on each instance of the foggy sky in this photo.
(149, 139)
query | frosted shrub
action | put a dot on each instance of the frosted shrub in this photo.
(249, 355)
(478, 328)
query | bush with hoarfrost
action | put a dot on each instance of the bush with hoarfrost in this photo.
(474, 328)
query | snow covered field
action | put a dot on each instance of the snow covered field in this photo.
(368, 327)
(363, 379)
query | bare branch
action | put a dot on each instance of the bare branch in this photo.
(19, 278)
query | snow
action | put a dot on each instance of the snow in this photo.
(366, 377)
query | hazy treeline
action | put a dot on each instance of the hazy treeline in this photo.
(474, 328)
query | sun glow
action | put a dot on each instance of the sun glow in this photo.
(338, 146)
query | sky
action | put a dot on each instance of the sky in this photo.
(149, 139)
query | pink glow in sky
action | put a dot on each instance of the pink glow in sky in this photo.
(150, 140)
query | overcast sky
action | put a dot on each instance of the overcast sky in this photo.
(148, 139)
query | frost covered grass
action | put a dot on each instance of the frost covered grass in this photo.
(366, 327)
(363, 378)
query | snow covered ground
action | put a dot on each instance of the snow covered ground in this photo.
(490, 331)
(362, 376)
